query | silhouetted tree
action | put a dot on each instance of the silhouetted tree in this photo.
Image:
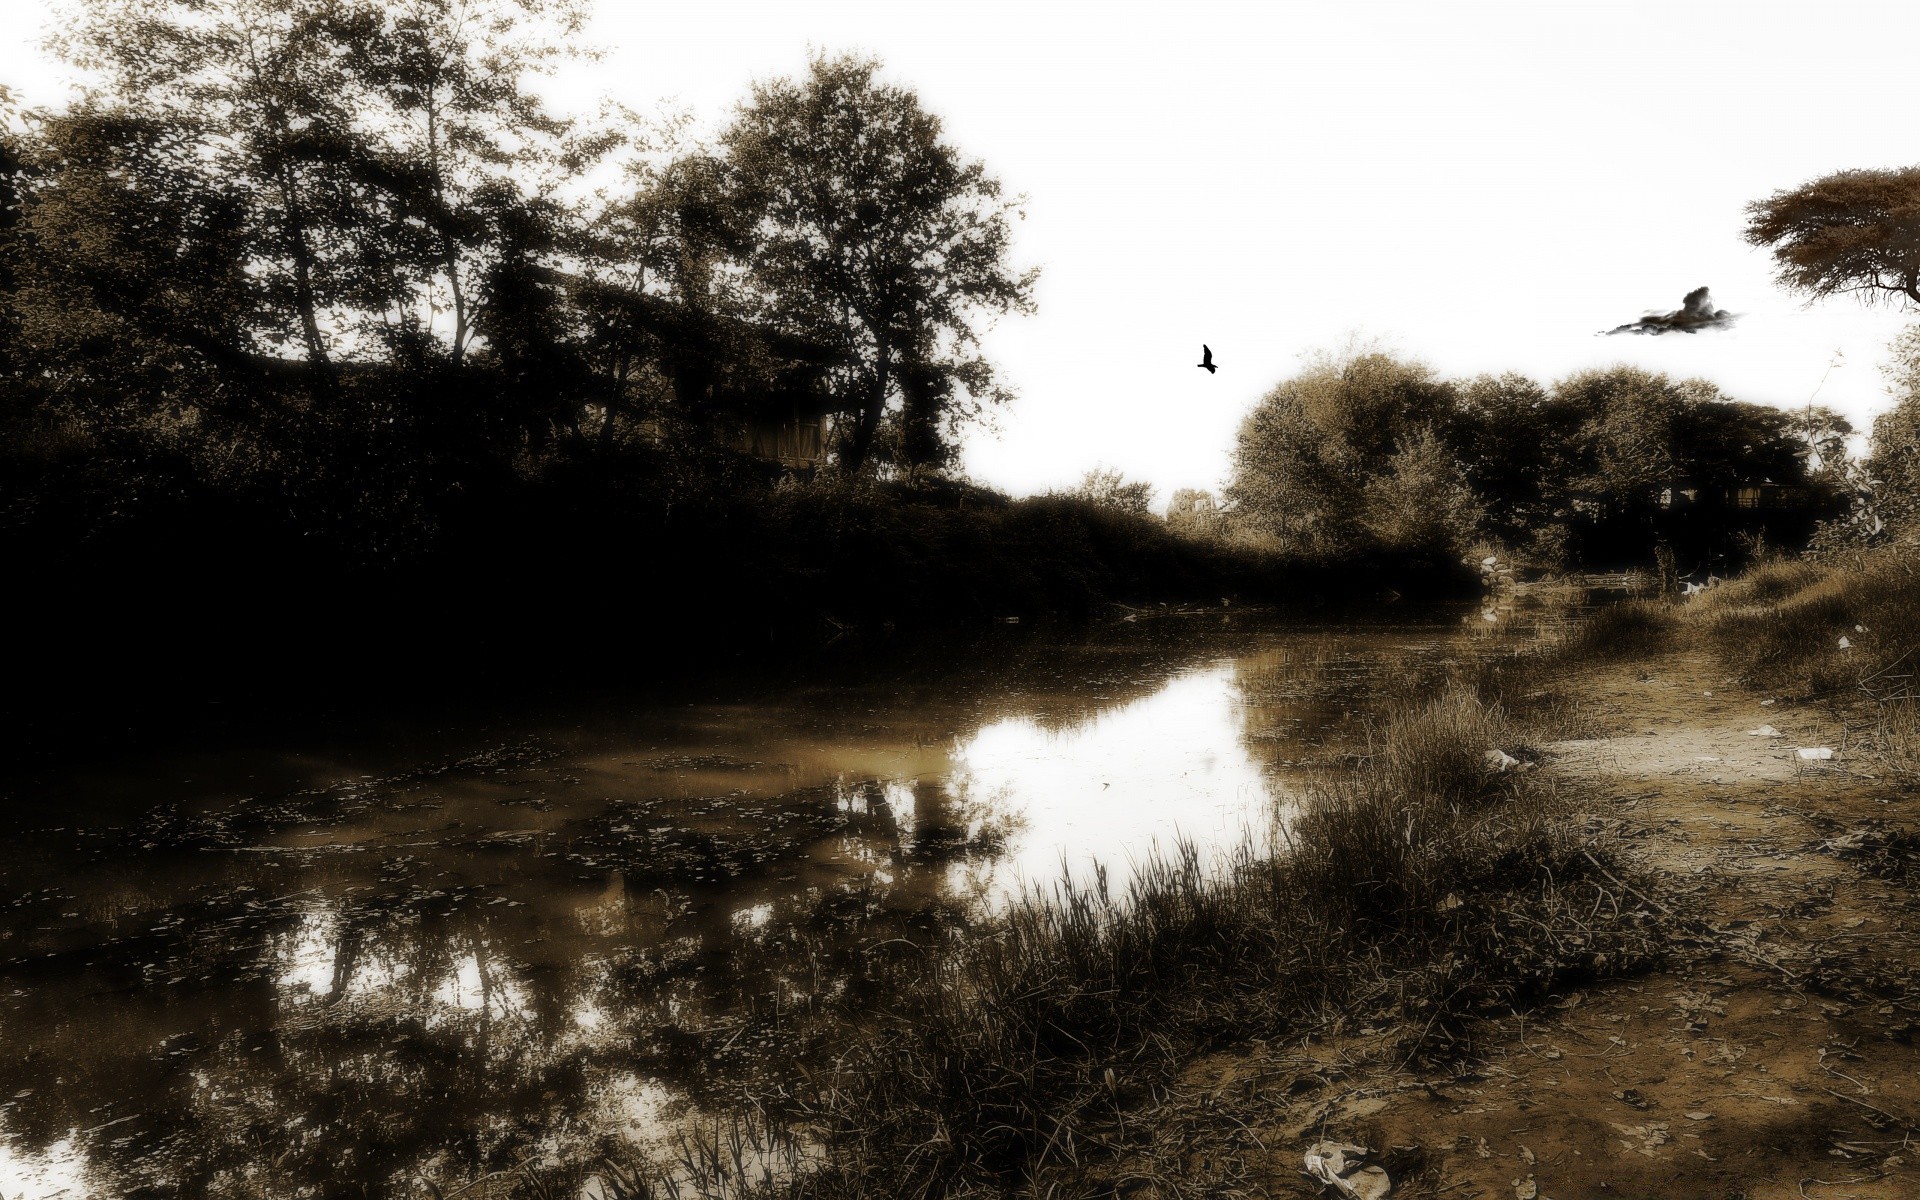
(873, 235)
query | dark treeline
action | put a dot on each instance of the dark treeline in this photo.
(324, 342)
(328, 351)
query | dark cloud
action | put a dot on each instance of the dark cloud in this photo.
(1695, 313)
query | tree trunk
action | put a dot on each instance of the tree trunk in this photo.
(858, 447)
(303, 296)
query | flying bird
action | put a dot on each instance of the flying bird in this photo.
(1206, 359)
(1695, 313)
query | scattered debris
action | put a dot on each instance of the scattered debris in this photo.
(1815, 753)
(1344, 1168)
(1763, 731)
(1500, 762)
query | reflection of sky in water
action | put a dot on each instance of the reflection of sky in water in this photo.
(59, 1173)
(1120, 783)
(640, 862)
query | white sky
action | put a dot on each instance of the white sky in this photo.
(1485, 185)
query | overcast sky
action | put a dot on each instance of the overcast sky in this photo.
(1484, 185)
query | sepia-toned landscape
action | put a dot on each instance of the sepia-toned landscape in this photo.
(534, 672)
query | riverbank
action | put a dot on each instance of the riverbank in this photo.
(1771, 1053)
(1443, 879)
(1699, 896)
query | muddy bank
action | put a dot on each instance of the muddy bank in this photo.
(1772, 1056)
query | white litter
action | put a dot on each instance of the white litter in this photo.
(1814, 753)
(1763, 731)
(1845, 644)
(1500, 760)
(1343, 1168)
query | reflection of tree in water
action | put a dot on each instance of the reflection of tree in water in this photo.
(403, 1032)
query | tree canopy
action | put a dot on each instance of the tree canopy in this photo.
(1369, 452)
(872, 234)
(1854, 231)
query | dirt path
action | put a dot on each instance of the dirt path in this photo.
(1775, 1059)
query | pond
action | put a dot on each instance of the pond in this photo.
(357, 965)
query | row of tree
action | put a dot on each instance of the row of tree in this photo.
(338, 258)
(1368, 452)
(1373, 451)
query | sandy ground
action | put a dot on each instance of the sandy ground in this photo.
(1776, 1057)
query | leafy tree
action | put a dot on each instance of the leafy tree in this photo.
(1823, 435)
(873, 235)
(1107, 487)
(1421, 501)
(1519, 441)
(380, 158)
(1893, 455)
(1314, 463)
(1852, 231)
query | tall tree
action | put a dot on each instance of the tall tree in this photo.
(1852, 231)
(874, 235)
(384, 156)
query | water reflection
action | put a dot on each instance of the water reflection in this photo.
(1119, 784)
(356, 970)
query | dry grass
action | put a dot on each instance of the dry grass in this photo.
(1422, 890)
(1037, 1053)
(1784, 626)
(1845, 631)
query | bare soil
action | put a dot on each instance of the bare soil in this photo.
(1775, 1057)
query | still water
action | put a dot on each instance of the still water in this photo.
(358, 966)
